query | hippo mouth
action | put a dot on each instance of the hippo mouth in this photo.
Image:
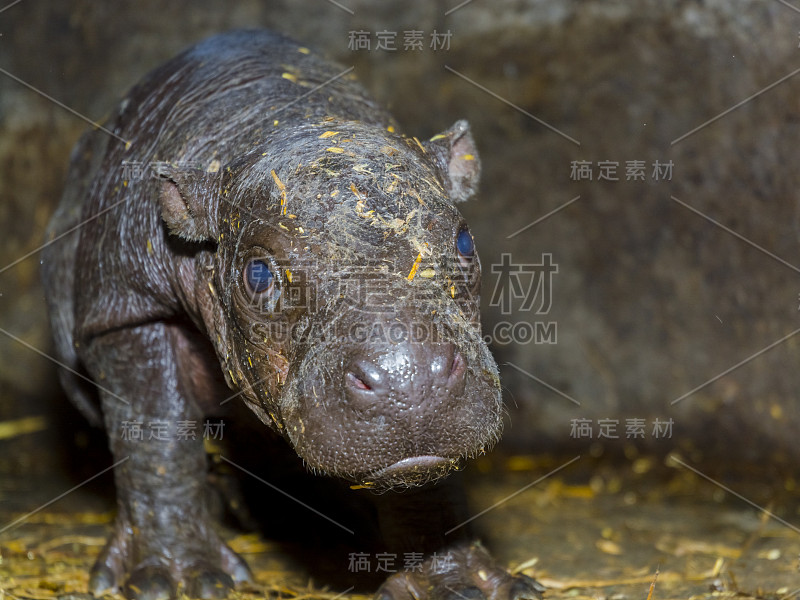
(413, 471)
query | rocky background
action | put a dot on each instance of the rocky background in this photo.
(668, 279)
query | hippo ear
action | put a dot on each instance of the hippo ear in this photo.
(457, 157)
(189, 199)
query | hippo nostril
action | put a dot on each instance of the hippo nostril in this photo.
(364, 376)
(458, 370)
(355, 381)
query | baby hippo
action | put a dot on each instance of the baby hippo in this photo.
(286, 243)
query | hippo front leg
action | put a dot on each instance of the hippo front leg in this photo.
(430, 521)
(163, 537)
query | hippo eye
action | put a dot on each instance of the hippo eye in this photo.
(465, 246)
(258, 278)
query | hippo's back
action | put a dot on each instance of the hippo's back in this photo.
(219, 98)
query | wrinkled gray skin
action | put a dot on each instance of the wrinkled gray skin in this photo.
(256, 153)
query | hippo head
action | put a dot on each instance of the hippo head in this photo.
(342, 296)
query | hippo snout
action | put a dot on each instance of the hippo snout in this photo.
(395, 408)
(407, 375)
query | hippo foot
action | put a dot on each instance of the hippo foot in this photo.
(464, 573)
(197, 563)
